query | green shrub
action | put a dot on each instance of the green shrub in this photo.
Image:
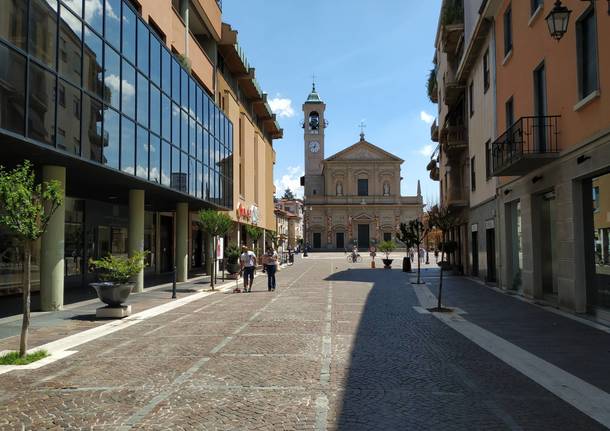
(387, 247)
(232, 254)
(13, 358)
(119, 269)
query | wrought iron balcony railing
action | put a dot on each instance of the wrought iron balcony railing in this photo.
(527, 145)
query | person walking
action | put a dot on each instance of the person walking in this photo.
(247, 261)
(270, 261)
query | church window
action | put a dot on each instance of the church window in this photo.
(363, 187)
(387, 236)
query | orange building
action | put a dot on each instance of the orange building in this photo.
(553, 143)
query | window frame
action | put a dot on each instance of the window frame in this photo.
(583, 92)
(507, 21)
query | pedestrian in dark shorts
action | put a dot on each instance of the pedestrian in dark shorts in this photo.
(247, 261)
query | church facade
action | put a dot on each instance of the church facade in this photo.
(352, 197)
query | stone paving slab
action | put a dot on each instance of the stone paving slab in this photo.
(334, 348)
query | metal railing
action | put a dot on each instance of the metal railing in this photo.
(528, 135)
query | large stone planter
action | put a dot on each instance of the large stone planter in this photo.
(114, 295)
(233, 268)
(387, 263)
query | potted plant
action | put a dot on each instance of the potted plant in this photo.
(115, 275)
(232, 256)
(386, 248)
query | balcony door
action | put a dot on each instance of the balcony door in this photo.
(540, 107)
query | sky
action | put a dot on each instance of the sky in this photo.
(371, 60)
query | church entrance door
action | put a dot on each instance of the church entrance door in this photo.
(340, 240)
(317, 240)
(363, 236)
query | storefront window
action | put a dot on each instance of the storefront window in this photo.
(601, 237)
(73, 246)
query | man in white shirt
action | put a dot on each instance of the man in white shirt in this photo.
(247, 261)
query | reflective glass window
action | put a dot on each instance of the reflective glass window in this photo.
(142, 152)
(192, 138)
(142, 100)
(192, 177)
(76, 6)
(206, 148)
(198, 141)
(184, 164)
(230, 138)
(129, 34)
(41, 115)
(93, 140)
(192, 98)
(68, 119)
(43, 30)
(112, 77)
(184, 89)
(175, 174)
(112, 135)
(155, 109)
(166, 117)
(206, 183)
(94, 15)
(155, 60)
(14, 22)
(199, 105)
(175, 124)
(143, 44)
(128, 90)
(93, 52)
(175, 80)
(166, 61)
(12, 108)
(70, 35)
(184, 132)
(155, 159)
(206, 111)
(128, 145)
(113, 23)
(199, 180)
(166, 163)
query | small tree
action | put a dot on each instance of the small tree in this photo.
(288, 195)
(25, 209)
(387, 247)
(214, 224)
(254, 233)
(274, 238)
(444, 220)
(415, 233)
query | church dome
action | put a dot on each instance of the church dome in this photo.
(314, 97)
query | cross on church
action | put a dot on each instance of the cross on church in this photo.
(313, 81)
(362, 126)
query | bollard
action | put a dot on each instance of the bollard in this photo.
(174, 284)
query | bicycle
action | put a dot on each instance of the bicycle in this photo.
(354, 259)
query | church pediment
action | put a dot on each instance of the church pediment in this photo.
(364, 151)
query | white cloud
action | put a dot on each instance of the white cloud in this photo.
(426, 150)
(426, 118)
(113, 82)
(282, 107)
(291, 179)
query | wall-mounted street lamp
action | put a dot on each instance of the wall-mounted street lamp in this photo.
(559, 17)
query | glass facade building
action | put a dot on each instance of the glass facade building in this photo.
(91, 79)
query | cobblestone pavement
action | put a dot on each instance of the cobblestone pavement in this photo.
(338, 346)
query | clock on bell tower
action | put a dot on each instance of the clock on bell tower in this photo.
(314, 125)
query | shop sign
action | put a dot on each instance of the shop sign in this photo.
(243, 212)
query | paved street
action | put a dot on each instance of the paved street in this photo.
(338, 346)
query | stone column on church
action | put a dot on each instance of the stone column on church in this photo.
(329, 229)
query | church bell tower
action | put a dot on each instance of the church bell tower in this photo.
(314, 124)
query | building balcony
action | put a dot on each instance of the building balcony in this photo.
(454, 139)
(452, 38)
(456, 197)
(530, 143)
(434, 132)
(452, 91)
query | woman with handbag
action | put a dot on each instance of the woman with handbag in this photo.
(271, 262)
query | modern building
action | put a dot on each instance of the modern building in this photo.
(552, 153)
(126, 103)
(352, 197)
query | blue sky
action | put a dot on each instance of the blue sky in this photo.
(371, 63)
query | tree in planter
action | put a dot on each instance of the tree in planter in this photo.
(254, 233)
(214, 224)
(25, 209)
(415, 232)
(404, 237)
(444, 220)
(387, 247)
(232, 256)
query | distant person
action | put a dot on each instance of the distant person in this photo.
(436, 254)
(270, 261)
(411, 254)
(247, 262)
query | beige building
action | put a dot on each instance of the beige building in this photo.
(352, 197)
(294, 209)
